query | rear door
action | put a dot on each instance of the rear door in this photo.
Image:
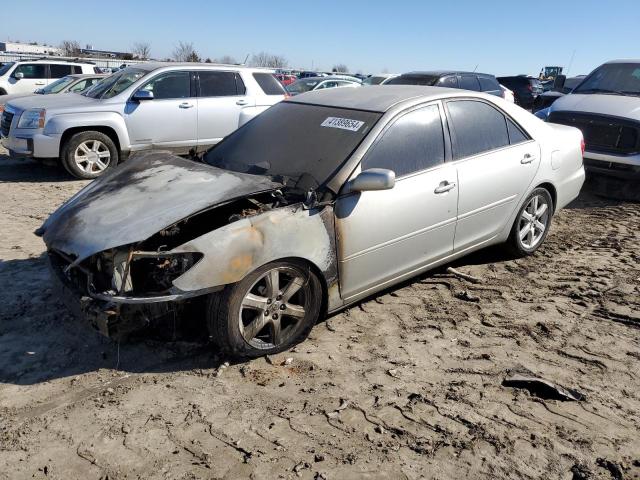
(496, 162)
(221, 97)
(170, 119)
(57, 70)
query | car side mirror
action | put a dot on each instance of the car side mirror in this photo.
(18, 75)
(558, 82)
(141, 95)
(373, 179)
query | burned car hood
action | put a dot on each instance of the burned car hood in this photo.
(148, 193)
(615, 105)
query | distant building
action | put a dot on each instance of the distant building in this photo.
(15, 47)
(90, 52)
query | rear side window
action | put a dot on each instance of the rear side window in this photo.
(469, 82)
(516, 135)
(76, 69)
(170, 85)
(269, 84)
(59, 71)
(488, 84)
(477, 128)
(31, 70)
(220, 84)
(414, 142)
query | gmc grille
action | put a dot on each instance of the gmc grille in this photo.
(603, 133)
(5, 123)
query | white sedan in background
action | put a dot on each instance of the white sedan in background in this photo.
(320, 83)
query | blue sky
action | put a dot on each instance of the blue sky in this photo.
(499, 37)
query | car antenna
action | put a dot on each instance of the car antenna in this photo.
(245, 59)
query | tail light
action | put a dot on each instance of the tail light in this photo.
(582, 146)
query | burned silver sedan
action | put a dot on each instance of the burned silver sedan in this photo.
(317, 203)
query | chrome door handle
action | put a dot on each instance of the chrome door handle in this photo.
(186, 105)
(444, 187)
(242, 102)
(39, 83)
(528, 158)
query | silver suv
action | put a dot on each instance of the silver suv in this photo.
(184, 108)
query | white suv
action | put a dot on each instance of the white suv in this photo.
(25, 77)
(185, 108)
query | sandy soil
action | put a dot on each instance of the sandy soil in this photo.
(405, 385)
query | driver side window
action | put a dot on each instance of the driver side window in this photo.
(171, 85)
(412, 143)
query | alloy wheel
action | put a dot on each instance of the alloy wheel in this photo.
(533, 222)
(274, 307)
(92, 156)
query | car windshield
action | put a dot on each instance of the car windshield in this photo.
(373, 80)
(299, 145)
(427, 80)
(57, 86)
(612, 78)
(116, 83)
(5, 67)
(302, 86)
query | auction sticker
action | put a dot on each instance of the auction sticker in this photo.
(342, 123)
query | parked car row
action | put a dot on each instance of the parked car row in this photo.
(27, 76)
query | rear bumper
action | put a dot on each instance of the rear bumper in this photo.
(569, 189)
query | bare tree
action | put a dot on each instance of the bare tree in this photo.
(141, 50)
(70, 48)
(185, 52)
(340, 68)
(226, 59)
(269, 60)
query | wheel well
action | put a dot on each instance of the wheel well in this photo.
(3, 91)
(108, 131)
(552, 191)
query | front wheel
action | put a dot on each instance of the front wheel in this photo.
(268, 311)
(532, 223)
(89, 154)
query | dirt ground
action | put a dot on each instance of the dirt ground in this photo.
(405, 385)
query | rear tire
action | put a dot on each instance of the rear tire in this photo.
(268, 311)
(532, 223)
(89, 154)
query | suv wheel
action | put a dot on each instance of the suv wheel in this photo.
(532, 223)
(268, 311)
(89, 154)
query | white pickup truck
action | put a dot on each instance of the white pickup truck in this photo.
(184, 108)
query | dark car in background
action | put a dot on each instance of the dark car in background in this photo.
(561, 87)
(477, 82)
(525, 89)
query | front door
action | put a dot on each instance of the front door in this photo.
(496, 163)
(387, 235)
(34, 76)
(169, 120)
